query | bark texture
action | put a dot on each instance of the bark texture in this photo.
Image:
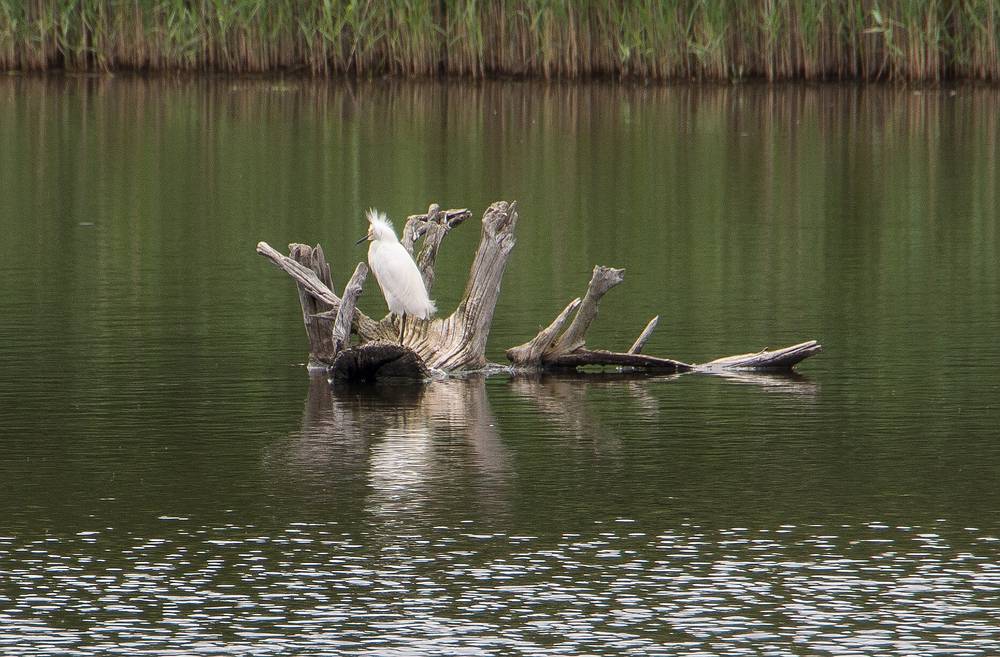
(319, 332)
(345, 314)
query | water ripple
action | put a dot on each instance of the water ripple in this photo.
(313, 588)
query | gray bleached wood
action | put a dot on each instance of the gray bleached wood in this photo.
(433, 227)
(530, 353)
(775, 359)
(307, 281)
(453, 343)
(345, 314)
(569, 351)
(602, 280)
(643, 338)
(321, 349)
(458, 342)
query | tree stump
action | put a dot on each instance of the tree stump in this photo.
(457, 342)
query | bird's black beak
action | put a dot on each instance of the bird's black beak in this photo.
(361, 240)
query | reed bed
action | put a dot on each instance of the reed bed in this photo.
(644, 39)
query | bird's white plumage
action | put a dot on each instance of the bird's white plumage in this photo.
(396, 272)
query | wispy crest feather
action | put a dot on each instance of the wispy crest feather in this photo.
(381, 226)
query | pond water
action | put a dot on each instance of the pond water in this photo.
(174, 482)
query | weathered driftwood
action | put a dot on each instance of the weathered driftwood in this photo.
(547, 351)
(643, 338)
(775, 359)
(433, 227)
(345, 314)
(453, 343)
(458, 342)
(319, 332)
(602, 280)
(530, 353)
(581, 357)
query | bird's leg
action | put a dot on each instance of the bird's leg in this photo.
(402, 327)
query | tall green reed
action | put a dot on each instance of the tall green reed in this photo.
(658, 39)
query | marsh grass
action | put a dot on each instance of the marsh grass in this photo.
(651, 39)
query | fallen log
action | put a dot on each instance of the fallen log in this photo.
(457, 342)
(776, 359)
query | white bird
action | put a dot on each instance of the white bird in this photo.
(402, 285)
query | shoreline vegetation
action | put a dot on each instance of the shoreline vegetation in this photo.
(867, 40)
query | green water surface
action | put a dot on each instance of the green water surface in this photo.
(173, 481)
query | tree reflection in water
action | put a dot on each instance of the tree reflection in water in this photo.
(400, 453)
(393, 450)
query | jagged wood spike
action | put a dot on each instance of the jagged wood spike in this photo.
(643, 338)
(468, 328)
(433, 235)
(416, 225)
(342, 324)
(438, 226)
(318, 332)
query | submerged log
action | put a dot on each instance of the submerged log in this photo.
(458, 342)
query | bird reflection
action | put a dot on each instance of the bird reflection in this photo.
(404, 454)
(405, 450)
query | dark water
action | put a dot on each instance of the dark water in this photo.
(173, 482)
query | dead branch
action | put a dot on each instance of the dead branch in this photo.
(321, 347)
(342, 323)
(366, 327)
(530, 353)
(777, 359)
(583, 357)
(643, 338)
(602, 280)
(437, 225)
(569, 351)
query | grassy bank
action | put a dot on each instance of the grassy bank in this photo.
(710, 39)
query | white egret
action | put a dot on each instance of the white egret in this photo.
(402, 285)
